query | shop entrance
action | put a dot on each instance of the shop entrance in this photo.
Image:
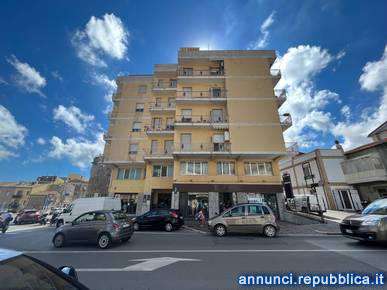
(226, 200)
(128, 202)
(161, 199)
(190, 203)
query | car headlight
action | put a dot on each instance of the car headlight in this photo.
(371, 222)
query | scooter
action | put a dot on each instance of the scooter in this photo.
(4, 224)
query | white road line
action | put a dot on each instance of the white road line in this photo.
(207, 251)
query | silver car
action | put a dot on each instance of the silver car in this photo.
(245, 218)
(100, 227)
(370, 225)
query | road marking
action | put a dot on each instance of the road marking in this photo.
(146, 265)
(205, 251)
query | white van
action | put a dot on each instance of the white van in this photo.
(83, 205)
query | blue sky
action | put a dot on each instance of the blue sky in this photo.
(58, 60)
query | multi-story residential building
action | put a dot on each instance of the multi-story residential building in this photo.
(365, 167)
(99, 178)
(320, 169)
(204, 133)
(75, 186)
(14, 195)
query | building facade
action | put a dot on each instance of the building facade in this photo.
(204, 133)
(14, 195)
(99, 178)
(323, 168)
(365, 167)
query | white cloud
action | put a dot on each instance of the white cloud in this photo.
(101, 36)
(3, 81)
(346, 112)
(262, 41)
(55, 74)
(28, 78)
(306, 105)
(373, 79)
(12, 134)
(109, 84)
(341, 54)
(40, 141)
(73, 117)
(80, 152)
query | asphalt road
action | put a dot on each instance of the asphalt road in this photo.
(208, 262)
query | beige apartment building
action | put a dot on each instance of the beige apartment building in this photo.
(204, 133)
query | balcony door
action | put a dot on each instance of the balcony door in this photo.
(157, 123)
(185, 141)
(168, 146)
(154, 146)
(217, 116)
(187, 92)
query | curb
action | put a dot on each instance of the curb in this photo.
(329, 233)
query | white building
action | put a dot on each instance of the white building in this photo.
(323, 168)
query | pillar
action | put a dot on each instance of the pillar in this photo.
(213, 204)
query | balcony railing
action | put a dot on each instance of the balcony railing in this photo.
(165, 85)
(286, 121)
(169, 129)
(159, 153)
(276, 75)
(162, 107)
(200, 73)
(364, 169)
(200, 119)
(107, 137)
(281, 96)
(208, 148)
(210, 94)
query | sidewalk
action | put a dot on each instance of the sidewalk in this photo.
(336, 215)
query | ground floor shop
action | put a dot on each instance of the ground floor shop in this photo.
(128, 202)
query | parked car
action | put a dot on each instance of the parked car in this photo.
(166, 219)
(100, 227)
(28, 216)
(370, 225)
(19, 271)
(245, 218)
(83, 205)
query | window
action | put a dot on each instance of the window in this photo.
(162, 170)
(139, 107)
(171, 102)
(254, 210)
(157, 123)
(216, 92)
(307, 170)
(142, 89)
(129, 173)
(87, 217)
(154, 146)
(168, 146)
(217, 116)
(170, 122)
(187, 92)
(186, 115)
(258, 168)
(158, 103)
(187, 71)
(99, 216)
(133, 148)
(225, 168)
(173, 83)
(193, 168)
(265, 210)
(136, 127)
(185, 140)
(237, 211)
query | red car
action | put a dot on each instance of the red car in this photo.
(28, 216)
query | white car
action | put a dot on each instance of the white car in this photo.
(83, 205)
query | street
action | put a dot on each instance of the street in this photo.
(193, 260)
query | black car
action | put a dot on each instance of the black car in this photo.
(19, 271)
(166, 219)
(100, 227)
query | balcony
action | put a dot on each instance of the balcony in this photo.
(18, 194)
(212, 95)
(159, 131)
(286, 121)
(205, 73)
(276, 76)
(364, 169)
(162, 107)
(165, 86)
(107, 137)
(135, 158)
(202, 149)
(158, 154)
(218, 122)
(281, 97)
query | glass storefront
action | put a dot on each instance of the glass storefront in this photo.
(128, 202)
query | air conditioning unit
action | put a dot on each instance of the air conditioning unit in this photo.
(226, 136)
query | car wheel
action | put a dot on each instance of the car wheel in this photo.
(220, 230)
(59, 240)
(104, 241)
(168, 227)
(269, 231)
(59, 223)
(136, 227)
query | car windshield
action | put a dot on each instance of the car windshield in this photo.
(23, 273)
(377, 207)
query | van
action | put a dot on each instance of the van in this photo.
(83, 205)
